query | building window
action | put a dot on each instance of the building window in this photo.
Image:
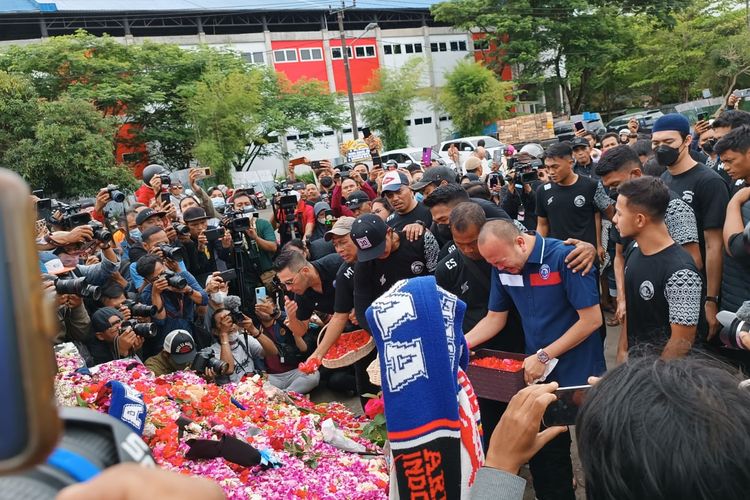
(407, 122)
(254, 57)
(397, 49)
(364, 51)
(286, 55)
(462, 46)
(458, 46)
(387, 50)
(337, 54)
(418, 121)
(310, 54)
(418, 48)
(427, 119)
(481, 44)
(439, 47)
(409, 48)
(443, 118)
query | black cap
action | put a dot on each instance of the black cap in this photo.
(193, 214)
(579, 142)
(435, 174)
(143, 215)
(368, 234)
(100, 318)
(356, 199)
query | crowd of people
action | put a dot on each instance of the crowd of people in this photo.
(545, 248)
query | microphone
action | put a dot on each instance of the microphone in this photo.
(734, 325)
(232, 302)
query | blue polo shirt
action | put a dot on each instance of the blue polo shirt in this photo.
(548, 296)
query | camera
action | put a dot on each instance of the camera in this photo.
(172, 253)
(142, 310)
(115, 194)
(165, 179)
(214, 234)
(734, 325)
(205, 358)
(71, 216)
(181, 229)
(326, 181)
(143, 330)
(77, 286)
(495, 179)
(175, 280)
(101, 233)
(525, 177)
(238, 219)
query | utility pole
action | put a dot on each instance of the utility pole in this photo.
(347, 72)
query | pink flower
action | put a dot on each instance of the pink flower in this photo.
(374, 406)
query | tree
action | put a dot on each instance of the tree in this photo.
(19, 110)
(473, 96)
(390, 102)
(70, 152)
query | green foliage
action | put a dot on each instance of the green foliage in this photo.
(390, 102)
(375, 430)
(473, 96)
(70, 152)
(19, 110)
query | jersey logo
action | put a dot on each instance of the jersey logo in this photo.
(646, 290)
(382, 280)
(544, 272)
(364, 243)
(547, 187)
(349, 273)
(417, 267)
(687, 196)
(465, 287)
(579, 201)
(451, 264)
(549, 201)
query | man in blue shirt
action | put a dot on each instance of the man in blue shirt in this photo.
(559, 311)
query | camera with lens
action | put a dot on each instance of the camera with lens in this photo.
(526, 171)
(72, 216)
(115, 194)
(165, 179)
(181, 229)
(144, 330)
(172, 253)
(142, 310)
(326, 181)
(214, 234)
(175, 280)
(101, 233)
(734, 326)
(205, 358)
(238, 220)
(494, 179)
(77, 286)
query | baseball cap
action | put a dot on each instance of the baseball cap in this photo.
(624, 131)
(143, 215)
(579, 142)
(533, 149)
(356, 199)
(672, 121)
(471, 176)
(180, 346)
(368, 234)
(472, 163)
(413, 167)
(100, 318)
(435, 174)
(56, 267)
(320, 206)
(393, 180)
(391, 163)
(341, 227)
(193, 214)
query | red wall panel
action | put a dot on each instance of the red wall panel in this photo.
(362, 69)
(300, 69)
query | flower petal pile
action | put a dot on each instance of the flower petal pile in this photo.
(288, 425)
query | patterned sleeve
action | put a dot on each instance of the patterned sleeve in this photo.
(431, 251)
(601, 198)
(681, 223)
(683, 294)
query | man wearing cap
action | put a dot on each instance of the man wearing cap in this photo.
(149, 217)
(179, 351)
(473, 165)
(706, 193)
(200, 254)
(584, 164)
(433, 178)
(406, 209)
(110, 341)
(152, 185)
(75, 324)
(359, 203)
(385, 256)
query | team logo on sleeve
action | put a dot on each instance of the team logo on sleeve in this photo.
(544, 272)
(417, 267)
(646, 290)
(579, 201)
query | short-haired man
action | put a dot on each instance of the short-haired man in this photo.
(433, 178)
(727, 121)
(178, 352)
(662, 284)
(705, 192)
(584, 164)
(406, 209)
(609, 141)
(110, 340)
(530, 271)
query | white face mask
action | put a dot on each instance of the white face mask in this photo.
(218, 297)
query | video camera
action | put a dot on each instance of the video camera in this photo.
(143, 330)
(77, 286)
(734, 325)
(238, 221)
(527, 171)
(205, 358)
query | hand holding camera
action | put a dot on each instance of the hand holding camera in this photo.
(128, 341)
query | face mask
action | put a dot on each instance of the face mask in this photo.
(419, 197)
(218, 297)
(135, 234)
(666, 156)
(444, 232)
(233, 337)
(322, 220)
(708, 146)
(218, 203)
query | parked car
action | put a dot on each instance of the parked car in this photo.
(645, 119)
(405, 156)
(467, 145)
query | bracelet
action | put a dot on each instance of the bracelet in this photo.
(256, 336)
(225, 343)
(713, 298)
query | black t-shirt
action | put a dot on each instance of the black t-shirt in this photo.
(661, 289)
(706, 193)
(311, 300)
(319, 231)
(375, 277)
(570, 210)
(344, 302)
(586, 171)
(419, 213)
(320, 248)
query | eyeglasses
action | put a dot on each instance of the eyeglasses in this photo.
(291, 280)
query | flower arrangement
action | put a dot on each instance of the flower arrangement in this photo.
(375, 430)
(284, 425)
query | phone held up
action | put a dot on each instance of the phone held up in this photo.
(565, 410)
(29, 420)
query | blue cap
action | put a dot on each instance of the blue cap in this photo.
(672, 121)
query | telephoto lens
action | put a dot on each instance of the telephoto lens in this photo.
(77, 286)
(142, 310)
(165, 179)
(101, 233)
(207, 359)
(175, 280)
(172, 253)
(145, 330)
(115, 194)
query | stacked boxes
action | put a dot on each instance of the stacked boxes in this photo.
(526, 128)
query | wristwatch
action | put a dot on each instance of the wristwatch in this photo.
(713, 298)
(542, 356)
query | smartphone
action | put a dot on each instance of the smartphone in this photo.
(205, 172)
(43, 208)
(315, 164)
(377, 161)
(702, 116)
(579, 126)
(228, 275)
(565, 410)
(165, 198)
(260, 294)
(366, 132)
(298, 161)
(29, 419)
(426, 156)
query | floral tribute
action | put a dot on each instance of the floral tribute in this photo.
(504, 365)
(287, 426)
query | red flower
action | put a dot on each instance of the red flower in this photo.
(374, 407)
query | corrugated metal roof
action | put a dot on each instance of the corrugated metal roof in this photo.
(24, 6)
(209, 5)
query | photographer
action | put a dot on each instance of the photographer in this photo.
(238, 346)
(111, 341)
(75, 324)
(154, 240)
(179, 351)
(154, 177)
(200, 253)
(520, 204)
(174, 292)
(290, 351)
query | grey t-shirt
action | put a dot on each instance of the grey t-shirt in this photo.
(243, 358)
